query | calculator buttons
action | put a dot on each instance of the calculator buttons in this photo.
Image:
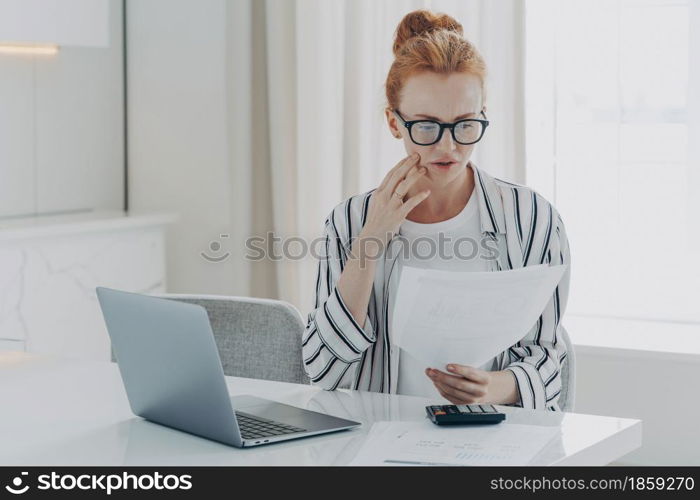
(464, 414)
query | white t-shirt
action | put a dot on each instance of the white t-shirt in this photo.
(461, 235)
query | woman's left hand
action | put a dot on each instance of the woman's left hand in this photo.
(469, 385)
(464, 385)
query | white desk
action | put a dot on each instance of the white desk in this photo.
(58, 411)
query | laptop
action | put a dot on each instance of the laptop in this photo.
(172, 374)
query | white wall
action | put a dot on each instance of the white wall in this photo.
(62, 22)
(61, 128)
(178, 144)
(659, 389)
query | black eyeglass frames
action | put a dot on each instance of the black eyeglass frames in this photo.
(427, 132)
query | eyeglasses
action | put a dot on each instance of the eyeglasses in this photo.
(427, 132)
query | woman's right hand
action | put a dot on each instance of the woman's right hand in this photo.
(388, 207)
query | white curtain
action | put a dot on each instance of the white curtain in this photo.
(307, 122)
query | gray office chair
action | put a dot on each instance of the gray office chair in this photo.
(568, 375)
(256, 338)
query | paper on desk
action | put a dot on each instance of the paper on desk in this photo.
(468, 318)
(424, 443)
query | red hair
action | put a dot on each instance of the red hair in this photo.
(425, 41)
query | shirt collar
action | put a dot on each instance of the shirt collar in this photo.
(490, 202)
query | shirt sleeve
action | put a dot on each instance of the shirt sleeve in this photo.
(333, 342)
(536, 359)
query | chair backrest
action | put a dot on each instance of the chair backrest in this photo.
(256, 338)
(567, 397)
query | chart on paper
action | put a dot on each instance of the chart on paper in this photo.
(445, 317)
(422, 443)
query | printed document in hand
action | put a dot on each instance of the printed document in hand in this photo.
(423, 443)
(442, 317)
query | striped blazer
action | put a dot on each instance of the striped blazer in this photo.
(524, 227)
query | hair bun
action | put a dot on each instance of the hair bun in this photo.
(423, 21)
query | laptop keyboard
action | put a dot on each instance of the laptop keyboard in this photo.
(253, 427)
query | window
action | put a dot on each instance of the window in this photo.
(613, 133)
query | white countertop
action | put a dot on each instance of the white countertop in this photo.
(60, 411)
(79, 222)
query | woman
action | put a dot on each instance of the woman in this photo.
(435, 92)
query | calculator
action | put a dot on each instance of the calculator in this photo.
(464, 414)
